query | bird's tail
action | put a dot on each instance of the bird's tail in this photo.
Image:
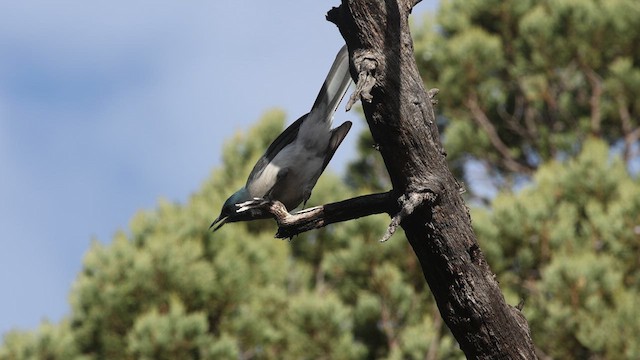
(335, 85)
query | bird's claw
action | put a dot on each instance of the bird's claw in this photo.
(251, 204)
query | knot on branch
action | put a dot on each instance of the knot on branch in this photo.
(408, 204)
(432, 95)
(365, 64)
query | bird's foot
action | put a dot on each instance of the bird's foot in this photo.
(251, 204)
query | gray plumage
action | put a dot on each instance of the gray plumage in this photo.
(292, 164)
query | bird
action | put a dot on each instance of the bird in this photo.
(292, 164)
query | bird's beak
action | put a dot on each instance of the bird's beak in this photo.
(221, 220)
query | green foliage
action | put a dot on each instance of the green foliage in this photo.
(320, 328)
(368, 171)
(523, 82)
(49, 341)
(569, 245)
(169, 333)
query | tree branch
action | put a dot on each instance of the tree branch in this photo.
(317, 217)
(481, 119)
(630, 135)
(594, 101)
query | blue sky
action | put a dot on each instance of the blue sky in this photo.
(105, 107)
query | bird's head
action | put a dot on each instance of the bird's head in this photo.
(230, 212)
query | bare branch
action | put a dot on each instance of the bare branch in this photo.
(512, 120)
(596, 93)
(630, 135)
(410, 4)
(317, 217)
(481, 119)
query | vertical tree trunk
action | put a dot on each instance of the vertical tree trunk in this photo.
(435, 219)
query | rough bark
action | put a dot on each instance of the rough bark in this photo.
(432, 212)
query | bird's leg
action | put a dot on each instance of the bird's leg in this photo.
(306, 195)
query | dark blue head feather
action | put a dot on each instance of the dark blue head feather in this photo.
(230, 208)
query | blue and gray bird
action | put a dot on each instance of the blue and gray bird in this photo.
(291, 166)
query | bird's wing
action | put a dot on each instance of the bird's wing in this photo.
(334, 86)
(285, 138)
(337, 135)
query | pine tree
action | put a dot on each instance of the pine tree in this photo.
(523, 82)
(568, 244)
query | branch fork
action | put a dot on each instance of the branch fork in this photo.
(408, 204)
